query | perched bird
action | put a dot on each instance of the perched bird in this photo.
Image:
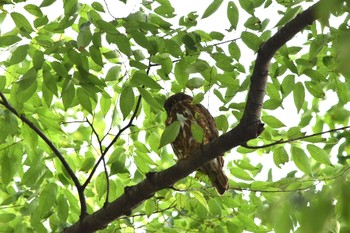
(179, 107)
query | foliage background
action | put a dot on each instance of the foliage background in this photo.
(94, 83)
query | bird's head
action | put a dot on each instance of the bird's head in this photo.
(174, 99)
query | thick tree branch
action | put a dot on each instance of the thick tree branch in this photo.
(65, 164)
(252, 111)
(247, 129)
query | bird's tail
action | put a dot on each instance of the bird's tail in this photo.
(216, 175)
(220, 182)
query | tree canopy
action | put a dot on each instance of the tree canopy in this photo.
(83, 144)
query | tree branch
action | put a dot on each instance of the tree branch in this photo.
(117, 136)
(58, 154)
(248, 128)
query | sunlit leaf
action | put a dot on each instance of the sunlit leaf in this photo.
(197, 132)
(289, 15)
(232, 14)
(142, 79)
(170, 133)
(212, 8)
(195, 83)
(299, 95)
(150, 99)
(97, 6)
(280, 156)
(21, 21)
(300, 159)
(8, 40)
(319, 154)
(127, 99)
(251, 40)
(84, 100)
(200, 198)
(19, 54)
(113, 73)
(272, 121)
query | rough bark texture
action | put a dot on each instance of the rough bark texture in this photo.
(248, 128)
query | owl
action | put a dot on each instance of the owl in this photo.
(179, 107)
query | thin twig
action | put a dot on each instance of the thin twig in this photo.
(130, 123)
(295, 139)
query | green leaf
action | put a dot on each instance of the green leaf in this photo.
(140, 78)
(2, 82)
(251, 40)
(240, 173)
(181, 76)
(288, 84)
(173, 48)
(141, 39)
(280, 156)
(150, 207)
(234, 50)
(84, 36)
(212, 8)
(195, 83)
(38, 59)
(319, 154)
(214, 207)
(33, 9)
(27, 86)
(288, 16)
(62, 208)
(70, 7)
(88, 163)
(155, 106)
(47, 199)
(272, 121)
(200, 198)
(96, 55)
(84, 100)
(170, 133)
(294, 132)
(222, 123)
(197, 132)
(7, 217)
(50, 81)
(68, 94)
(19, 54)
(272, 104)
(46, 3)
(126, 102)
(8, 40)
(299, 95)
(97, 6)
(198, 67)
(107, 27)
(314, 89)
(113, 73)
(301, 160)
(59, 68)
(232, 14)
(247, 5)
(105, 104)
(21, 22)
(49, 120)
